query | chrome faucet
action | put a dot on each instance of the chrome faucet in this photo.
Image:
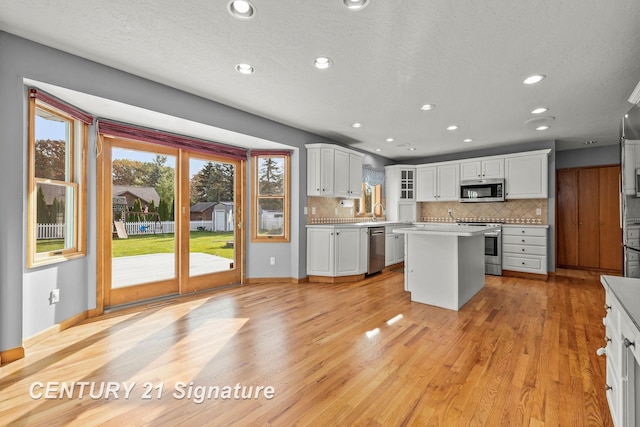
(373, 211)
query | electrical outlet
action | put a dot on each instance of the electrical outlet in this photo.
(538, 211)
(313, 210)
(272, 260)
(305, 210)
(55, 296)
(335, 211)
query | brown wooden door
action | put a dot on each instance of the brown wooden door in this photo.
(567, 221)
(610, 231)
(588, 218)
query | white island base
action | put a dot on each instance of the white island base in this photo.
(444, 269)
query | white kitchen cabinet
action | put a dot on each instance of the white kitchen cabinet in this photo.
(622, 350)
(630, 165)
(524, 248)
(633, 258)
(526, 175)
(320, 171)
(347, 251)
(335, 251)
(333, 171)
(400, 196)
(489, 168)
(438, 182)
(320, 251)
(393, 249)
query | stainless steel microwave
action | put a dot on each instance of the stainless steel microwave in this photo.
(482, 190)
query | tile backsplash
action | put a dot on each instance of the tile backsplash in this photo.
(511, 211)
(329, 210)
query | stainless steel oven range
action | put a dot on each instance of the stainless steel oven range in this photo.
(492, 248)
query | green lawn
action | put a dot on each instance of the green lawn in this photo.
(209, 242)
(49, 245)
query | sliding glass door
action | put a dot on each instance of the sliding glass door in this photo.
(169, 221)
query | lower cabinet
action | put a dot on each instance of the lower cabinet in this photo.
(394, 246)
(524, 249)
(633, 257)
(336, 251)
(622, 339)
(393, 249)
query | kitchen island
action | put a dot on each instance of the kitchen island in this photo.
(444, 263)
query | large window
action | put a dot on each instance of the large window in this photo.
(57, 171)
(270, 189)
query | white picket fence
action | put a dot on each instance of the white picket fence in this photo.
(56, 231)
(50, 231)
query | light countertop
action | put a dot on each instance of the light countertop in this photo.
(445, 229)
(627, 292)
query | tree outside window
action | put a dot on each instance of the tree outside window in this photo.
(270, 187)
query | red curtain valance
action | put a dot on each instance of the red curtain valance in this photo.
(61, 105)
(256, 153)
(170, 140)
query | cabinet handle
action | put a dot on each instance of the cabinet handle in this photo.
(522, 249)
(522, 240)
(608, 387)
(607, 339)
(522, 262)
(522, 231)
(628, 343)
(607, 307)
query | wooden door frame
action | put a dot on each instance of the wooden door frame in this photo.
(104, 247)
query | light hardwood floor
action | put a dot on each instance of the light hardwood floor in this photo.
(521, 352)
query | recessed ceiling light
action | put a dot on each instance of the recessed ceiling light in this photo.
(539, 110)
(389, 139)
(543, 127)
(241, 9)
(356, 4)
(412, 148)
(452, 127)
(322, 62)
(534, 79)
(427, 107)
(356, 125)
(378, 149)
(467, 140)
(245, 68)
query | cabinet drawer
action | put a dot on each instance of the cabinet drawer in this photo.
(633, 233)
(524, 249)
(633, 242)
(524, 231)
(614, 395)
(630, 332)
(533, 264)
(524, 240)
(612, 318)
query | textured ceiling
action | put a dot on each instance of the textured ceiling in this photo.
(467, 57)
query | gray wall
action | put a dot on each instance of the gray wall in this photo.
(592, 156)
(24, 306)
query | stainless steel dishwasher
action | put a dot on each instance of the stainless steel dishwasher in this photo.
(376, 250)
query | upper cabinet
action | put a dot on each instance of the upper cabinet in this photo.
(489, 168)
(333, 171)
(400, 193)
(527, 175)
(438, 182)
(631, 164)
